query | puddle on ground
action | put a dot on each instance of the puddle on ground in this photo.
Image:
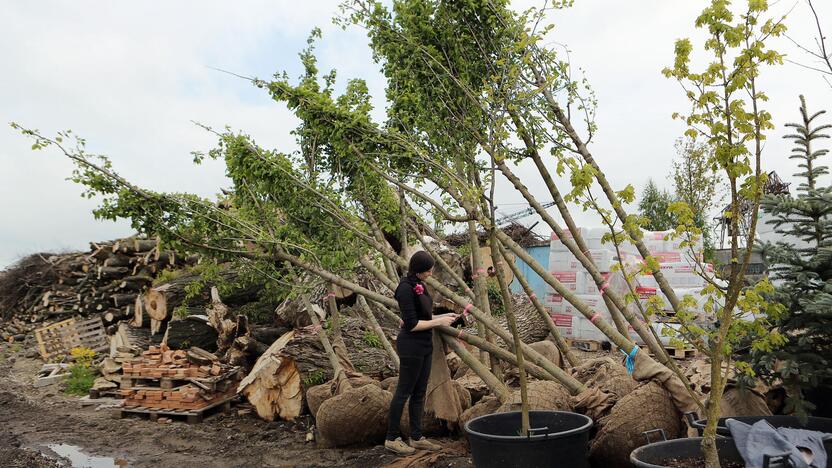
(80, 459)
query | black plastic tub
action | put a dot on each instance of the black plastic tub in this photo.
(655, 455)
(557, 439)
(813, 424)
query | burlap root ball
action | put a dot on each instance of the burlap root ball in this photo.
(356, 416)
(648, 407)
(549, 350)
(318, 394)
(543, 395)
(606, 375)
(390, 383)
(489, 404)
(738, 401)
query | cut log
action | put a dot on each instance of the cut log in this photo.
(199, 356)
(312, 361)
(123, 299)
(144, 245)
(193, 330)
(128, 337)
(105, 272)
(138, 312)
(274, 384)
(135, 282)
(118, 260)
(218, 317)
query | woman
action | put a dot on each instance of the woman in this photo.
(415, 346)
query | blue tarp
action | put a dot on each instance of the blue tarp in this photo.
(541, 255)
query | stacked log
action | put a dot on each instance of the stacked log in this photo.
(108, 280)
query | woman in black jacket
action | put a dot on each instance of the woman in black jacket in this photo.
(415, 346)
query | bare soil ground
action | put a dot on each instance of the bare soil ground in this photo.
(33, 418)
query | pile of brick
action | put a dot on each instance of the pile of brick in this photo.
(166, 379)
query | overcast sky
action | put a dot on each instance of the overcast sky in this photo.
(130, 78)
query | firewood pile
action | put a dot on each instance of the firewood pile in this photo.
(162, 378)
(105, 281)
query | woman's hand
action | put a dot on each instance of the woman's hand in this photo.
(444, 319)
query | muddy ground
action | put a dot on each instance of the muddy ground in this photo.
(32, 419)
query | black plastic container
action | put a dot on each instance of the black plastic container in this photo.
(653, 455)
(557, 439)
(813, 424)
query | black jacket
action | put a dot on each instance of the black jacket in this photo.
(412, 308)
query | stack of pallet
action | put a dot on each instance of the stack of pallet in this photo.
(164, 381)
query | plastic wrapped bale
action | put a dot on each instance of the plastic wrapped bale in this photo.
(318, 394)
(648, 407)
(357, 415)
(487, 405)
(606, 375)
(543, 395)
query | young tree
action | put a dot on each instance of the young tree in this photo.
(654, 207)
(697, 183)
(726, 111)
(801, 268)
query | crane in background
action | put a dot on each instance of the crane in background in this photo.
(503, 220)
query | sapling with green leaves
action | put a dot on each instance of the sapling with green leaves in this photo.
(727, 112)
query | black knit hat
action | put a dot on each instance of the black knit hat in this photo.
(420, 262)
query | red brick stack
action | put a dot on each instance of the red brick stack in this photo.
(166, 379)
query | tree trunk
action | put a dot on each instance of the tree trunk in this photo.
(378, 330)
(191, 331)
(274, 384)
(496, 255)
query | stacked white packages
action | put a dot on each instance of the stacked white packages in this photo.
(677, 266)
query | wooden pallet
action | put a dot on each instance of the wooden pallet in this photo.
(163, 383)
(674, 352)
(87, 334)
(57, 340)
(50, 374)
(109, 393)
(680, 353)
(584, 345)
(50, 339)
(218, 383)
(191, 416)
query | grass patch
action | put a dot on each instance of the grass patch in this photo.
(81, 373)
(80, 380)
(371, 339)
(315, 378)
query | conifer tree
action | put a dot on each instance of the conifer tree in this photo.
(801, 268)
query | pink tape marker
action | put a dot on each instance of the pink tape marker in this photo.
(467, 308)
(460, 333)
(595, 317)
(532, 296)
(604, 287)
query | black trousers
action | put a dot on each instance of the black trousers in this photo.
(413, 382)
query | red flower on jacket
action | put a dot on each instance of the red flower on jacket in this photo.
(419, 289)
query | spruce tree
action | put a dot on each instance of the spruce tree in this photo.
(801, 269)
